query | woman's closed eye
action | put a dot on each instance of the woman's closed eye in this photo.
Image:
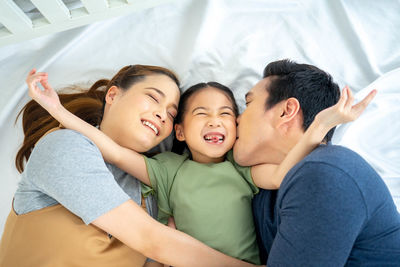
(171, 115)
(227, 113)
(153, 97)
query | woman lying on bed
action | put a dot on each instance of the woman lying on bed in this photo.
(73, 209)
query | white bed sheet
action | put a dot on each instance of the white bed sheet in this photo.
(227, 41)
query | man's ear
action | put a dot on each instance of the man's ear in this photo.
(179, 132)
(289, 109)
(112, 94)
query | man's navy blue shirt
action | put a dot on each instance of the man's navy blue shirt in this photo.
(332, 209)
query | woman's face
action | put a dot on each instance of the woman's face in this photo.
(142, 116)
(209, 126)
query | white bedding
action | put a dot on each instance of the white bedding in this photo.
(229, 41)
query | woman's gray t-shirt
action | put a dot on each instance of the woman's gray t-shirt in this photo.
(66, 167)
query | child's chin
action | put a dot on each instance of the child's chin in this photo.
(220, 154)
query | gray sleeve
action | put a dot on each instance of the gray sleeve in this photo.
(68, 167)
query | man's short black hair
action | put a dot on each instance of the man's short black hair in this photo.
(312, 87)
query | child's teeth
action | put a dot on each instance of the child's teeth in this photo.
(214, 138)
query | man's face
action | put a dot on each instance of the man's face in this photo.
(258, 135)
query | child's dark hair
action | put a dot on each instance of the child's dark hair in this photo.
(178, 146)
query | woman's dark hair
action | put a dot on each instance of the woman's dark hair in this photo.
(312, 87)
(88, 105)
(178, 146)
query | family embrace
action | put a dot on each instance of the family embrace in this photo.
(262, 187)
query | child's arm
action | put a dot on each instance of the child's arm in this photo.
(126, 159)
(270, 176)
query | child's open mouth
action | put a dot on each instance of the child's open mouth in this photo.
(214, 138)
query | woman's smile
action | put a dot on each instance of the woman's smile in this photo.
(152, 126)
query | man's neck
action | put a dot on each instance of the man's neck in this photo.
(290, 141)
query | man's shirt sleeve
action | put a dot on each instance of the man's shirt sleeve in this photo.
(321, 213)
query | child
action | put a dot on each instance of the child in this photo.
(207, 193)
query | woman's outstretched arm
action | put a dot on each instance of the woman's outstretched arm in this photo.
(134, 227)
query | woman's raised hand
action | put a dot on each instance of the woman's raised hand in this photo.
(47, 97)
(344, 110)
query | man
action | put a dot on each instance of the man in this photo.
(332, 208)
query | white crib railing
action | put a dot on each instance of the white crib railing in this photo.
(55, 16)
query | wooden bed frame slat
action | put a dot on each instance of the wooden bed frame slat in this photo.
(13, 18)
(94, 6)
(54, 11)
(57, 17)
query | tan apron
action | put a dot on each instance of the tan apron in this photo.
(55, 237)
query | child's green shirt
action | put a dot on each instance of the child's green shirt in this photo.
(211, 202)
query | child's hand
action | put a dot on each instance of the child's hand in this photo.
(171, 222)
(47, 98)
(344, 110)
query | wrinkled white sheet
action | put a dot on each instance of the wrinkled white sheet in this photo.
(228, 41)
